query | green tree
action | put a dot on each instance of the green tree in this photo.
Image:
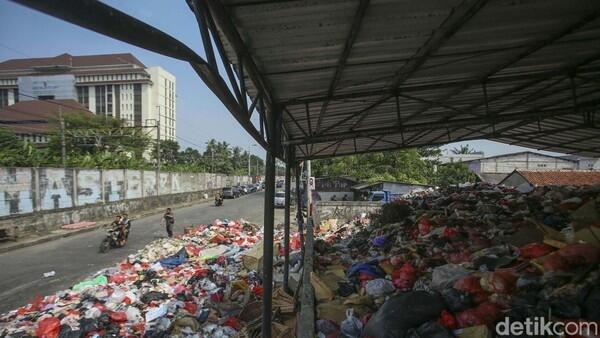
(169, 152)
(453, 173)
(16, 153)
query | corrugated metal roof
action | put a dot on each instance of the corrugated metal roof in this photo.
(359, 76)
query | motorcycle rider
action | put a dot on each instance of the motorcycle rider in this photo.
(127, 225)
(218, 199)
(117, 224)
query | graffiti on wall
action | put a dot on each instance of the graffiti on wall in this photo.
(56, 187)
(16, 191)
(164, 187)
(114, 185)
(89, 190)
(134, 184)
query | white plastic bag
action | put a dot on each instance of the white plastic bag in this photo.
(351, 327)
(379, 287)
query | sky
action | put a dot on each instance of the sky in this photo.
(200, 115)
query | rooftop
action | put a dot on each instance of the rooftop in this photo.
(71, 61)
(560, 177)
(31, 117)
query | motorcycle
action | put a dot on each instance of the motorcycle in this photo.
(112, 239)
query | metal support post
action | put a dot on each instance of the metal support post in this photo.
(286, 227)
(299, 217)
(269, 220)
(63, 150)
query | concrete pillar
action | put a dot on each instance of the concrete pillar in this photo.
(74, 190)
(36, 194)
(102, 187)
(286, 226)
(125, 184)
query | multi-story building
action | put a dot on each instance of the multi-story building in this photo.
(115, 85)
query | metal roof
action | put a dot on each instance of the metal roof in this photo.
(334, 77)
(356, 76)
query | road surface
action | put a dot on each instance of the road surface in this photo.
(74, 258)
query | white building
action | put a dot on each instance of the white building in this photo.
(115, 85)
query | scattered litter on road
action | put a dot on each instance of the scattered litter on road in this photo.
(194, 285)
(49, 274)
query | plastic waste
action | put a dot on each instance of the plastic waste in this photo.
(403, 312)
(351, 327)
(99, 280)
(156, 312)
(379, 287)
(48, 328)
(444, 276)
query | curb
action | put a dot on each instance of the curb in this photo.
(53, 237)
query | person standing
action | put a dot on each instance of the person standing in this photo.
(169, 219)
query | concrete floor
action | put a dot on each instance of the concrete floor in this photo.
(74, 258)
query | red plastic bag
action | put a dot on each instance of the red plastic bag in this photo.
(193, 250)
(499, 282)
(48, 328)
(405, 277)
(450, 232)
(484, 314)
(424, 226)
(535, 250)
(233, 322)
(218, 239)
(471, 285)
(117, 279)
(118, 317)
(448, 320)
(190, 307)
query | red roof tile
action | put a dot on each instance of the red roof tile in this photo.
(561, 177)
(32, 117)
(72, 61)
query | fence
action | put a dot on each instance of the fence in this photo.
(26, 190)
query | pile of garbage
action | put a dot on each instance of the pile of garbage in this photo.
(456, 262)
(201, 284)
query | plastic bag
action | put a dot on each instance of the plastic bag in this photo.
(457, 300)
(405, 277)
(48, 328)
(499, 282)
(403, 312)
(448, 320)
(535, 250)
(99, 280)
(471, 285)
(351, 326)
(133, 314)
(484, 314)
(444, 276)
(379, 287)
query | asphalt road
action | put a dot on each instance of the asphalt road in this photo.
(74, 258)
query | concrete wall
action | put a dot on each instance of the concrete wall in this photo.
(524, 161)
(29, 190)
(343, 210)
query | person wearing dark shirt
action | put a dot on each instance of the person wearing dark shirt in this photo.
(169, 219)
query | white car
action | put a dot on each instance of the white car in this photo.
(279, 199)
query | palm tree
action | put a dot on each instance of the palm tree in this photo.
(464, 149)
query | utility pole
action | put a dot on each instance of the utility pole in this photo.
(248, 162)
(63, 149)
(158, 153)
(212, 161)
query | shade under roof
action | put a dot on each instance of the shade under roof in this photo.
(357, 76)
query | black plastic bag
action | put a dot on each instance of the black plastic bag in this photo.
(430, 330)
(403, 312)
(457, 300)
(153, 295)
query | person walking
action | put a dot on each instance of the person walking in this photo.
(169, 219)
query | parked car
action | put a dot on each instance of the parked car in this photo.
(279, 184)
(253, 187)
(228, 192)
(279, 199)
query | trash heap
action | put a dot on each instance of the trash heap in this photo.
(455, 262)
(195, 285)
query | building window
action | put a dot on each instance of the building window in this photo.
(137, 104)
(542, 165)
(16, 94)
(101, 100)
(109, 99)
(83, 96)
(3, 98)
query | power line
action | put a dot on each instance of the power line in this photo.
(15, 50)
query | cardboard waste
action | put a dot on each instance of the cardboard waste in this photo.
(194, 285)
(455, 262)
